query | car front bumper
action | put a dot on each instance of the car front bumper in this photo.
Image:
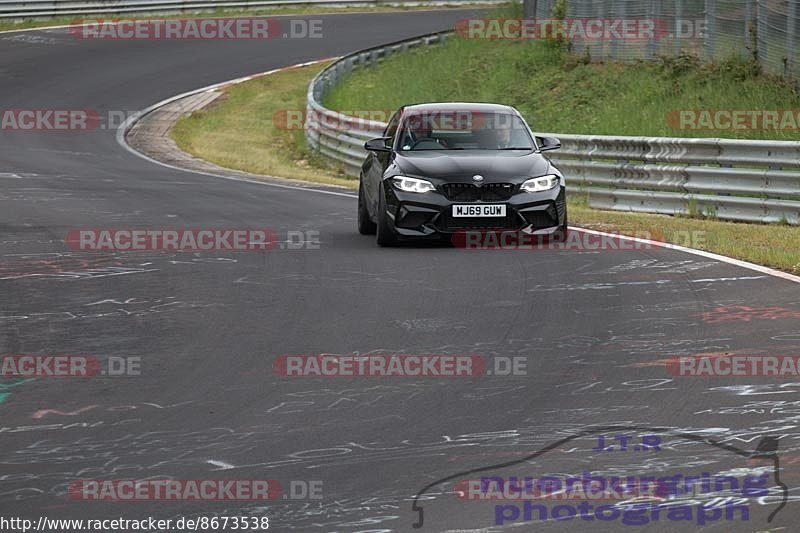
(430, 214)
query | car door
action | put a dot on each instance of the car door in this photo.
(376, 163)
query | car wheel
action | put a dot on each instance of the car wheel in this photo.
(365, 225)
(386, 237)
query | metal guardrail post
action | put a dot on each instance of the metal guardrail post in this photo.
(677, 23)
(749, 26)
(529, 8)
(791, 20)
(654, 8)
(711, 10)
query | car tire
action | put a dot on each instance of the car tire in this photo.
(386, 237)
(365, 225)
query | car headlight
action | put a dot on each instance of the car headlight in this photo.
(542, 183)
(404, 183)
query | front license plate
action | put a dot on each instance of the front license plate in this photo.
(472, 210)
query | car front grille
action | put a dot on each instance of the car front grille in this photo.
(467, 192)
(496, 192)
(461, 192)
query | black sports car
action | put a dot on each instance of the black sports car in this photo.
(445, 168)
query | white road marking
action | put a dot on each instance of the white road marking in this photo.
(702, 253)
(222, 465)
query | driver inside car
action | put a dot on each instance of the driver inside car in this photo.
(415, 135)
(421, 133)
(503, 138)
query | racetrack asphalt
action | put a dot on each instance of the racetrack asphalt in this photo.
(595, 328)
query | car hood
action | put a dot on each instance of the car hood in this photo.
(459, 165)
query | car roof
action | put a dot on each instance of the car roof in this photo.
(476, 107)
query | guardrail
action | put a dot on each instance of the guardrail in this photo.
(22, 9)
(752, 181)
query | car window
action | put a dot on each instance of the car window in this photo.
(391, 129)
(467, 130)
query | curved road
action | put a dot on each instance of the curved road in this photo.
(594, 327)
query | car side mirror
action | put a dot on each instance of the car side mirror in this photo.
(379, 144)
(548, 143)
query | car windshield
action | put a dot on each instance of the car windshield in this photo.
(463, 130)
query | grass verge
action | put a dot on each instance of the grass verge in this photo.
(775, 246)
(560, 92)
(239, 132)
(243, 129)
